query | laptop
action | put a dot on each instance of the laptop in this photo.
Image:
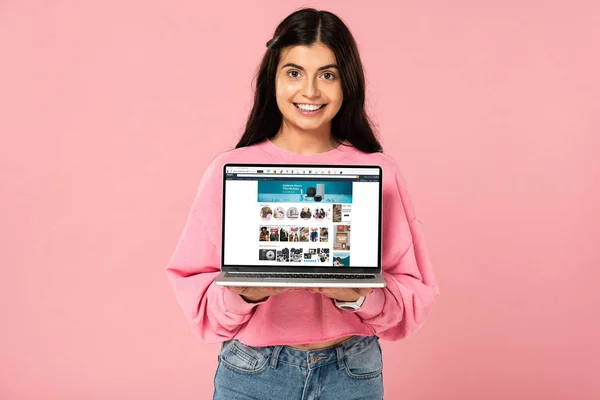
(301, 225)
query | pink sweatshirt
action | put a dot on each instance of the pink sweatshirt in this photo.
(295, 317)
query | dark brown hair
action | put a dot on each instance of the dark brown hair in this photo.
(306, 27)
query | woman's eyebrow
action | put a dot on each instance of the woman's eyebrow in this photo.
(302, 69)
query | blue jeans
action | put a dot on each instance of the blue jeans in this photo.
(351, 370)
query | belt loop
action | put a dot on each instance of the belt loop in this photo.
(275, 356)
(340, 356)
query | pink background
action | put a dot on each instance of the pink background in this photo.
(110, 111)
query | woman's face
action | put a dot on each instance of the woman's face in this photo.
(307, 78)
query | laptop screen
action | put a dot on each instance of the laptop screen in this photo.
(301, 216)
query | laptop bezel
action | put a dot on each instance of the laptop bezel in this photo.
(297, 269)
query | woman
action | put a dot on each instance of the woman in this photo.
(280, 343)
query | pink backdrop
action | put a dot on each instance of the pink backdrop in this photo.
(110, 110)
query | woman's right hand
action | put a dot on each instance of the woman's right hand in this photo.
(257, 294)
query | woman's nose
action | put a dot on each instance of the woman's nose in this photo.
(311, 89)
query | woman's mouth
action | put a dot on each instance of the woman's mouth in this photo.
(309, 110)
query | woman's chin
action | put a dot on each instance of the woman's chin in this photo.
(309, 126)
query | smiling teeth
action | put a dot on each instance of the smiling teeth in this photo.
(306, 107)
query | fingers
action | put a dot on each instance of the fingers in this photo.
(237, 289)
(277, 290)
(341, 292)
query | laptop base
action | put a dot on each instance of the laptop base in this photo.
(286, 281)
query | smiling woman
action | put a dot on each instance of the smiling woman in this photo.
(282, 343)
(308, 91)
(313, 67)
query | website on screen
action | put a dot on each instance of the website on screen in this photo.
(301, 216)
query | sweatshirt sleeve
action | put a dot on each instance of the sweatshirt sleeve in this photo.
(402, 306)
(214, 312)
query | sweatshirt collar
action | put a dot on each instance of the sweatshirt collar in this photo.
(332, 156)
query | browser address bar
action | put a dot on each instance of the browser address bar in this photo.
(297, 176)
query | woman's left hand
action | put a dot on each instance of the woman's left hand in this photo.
(342, 294)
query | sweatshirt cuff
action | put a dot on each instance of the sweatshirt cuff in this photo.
(235, 304)
(373, 304)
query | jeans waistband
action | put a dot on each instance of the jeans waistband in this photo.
(316, 358)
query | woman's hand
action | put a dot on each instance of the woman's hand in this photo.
(342, 294)
(257, 294)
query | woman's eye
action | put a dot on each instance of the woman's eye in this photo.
(296, 74)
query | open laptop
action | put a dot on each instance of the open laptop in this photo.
(301, 225)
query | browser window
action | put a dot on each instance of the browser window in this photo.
(305, 216)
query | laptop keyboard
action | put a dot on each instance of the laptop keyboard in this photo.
(293, 276)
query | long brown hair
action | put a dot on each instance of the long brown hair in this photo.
(305, 27)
